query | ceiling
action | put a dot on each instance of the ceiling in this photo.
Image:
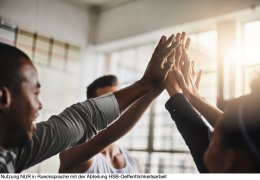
(104, 4)
(94, 2)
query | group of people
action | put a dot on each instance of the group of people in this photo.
(84, 133)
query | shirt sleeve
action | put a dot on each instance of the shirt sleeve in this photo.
(73, 126)
(191, 126)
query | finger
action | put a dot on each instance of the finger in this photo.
(180, 80)
(184, 57)
(183, 36)
(181, 64)
(186, 72)
(182, 68)
(197, 82)
(169, 63)
(162, 63)
(187, 44)
(192, 70)
(170, 58)
(178, 37)
(167, 67)
(170, 49)
(178, 56)
(166, 70)
(169, 41)
(174, 44)
(191, 83)
(161, 42)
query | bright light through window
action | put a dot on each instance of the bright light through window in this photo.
(252, 43)
(205, 41)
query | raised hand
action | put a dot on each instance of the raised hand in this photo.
(184, 69)
(159, 65)
(190, 87)
(184, 73)
(187, 78)
(171, 84)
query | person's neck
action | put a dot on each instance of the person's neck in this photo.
(114, 156)
(111, 151)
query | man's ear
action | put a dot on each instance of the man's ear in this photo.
(5, 99)
(230, 160)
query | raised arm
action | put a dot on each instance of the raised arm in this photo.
(71, 158)
(194, 131)
(185, 76)
(189, 123)
(73, 126)
(211, 113)
(154, 76)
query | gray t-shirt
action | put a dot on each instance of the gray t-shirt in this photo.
(73, 126)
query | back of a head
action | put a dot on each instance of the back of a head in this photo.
(11, 60)
(255, 84)
(240, 126)
(104, 81)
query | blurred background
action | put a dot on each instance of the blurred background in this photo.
(73, 42)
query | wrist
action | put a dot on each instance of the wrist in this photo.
(190, 95)
(172, 91)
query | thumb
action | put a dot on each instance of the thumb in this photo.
(197, 82)
(161, 42)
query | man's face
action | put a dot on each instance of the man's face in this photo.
(24, 107)
(105, 90)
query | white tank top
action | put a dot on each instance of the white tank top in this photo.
(101, 165)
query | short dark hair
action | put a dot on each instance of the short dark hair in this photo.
(104, 81)
(11, 59)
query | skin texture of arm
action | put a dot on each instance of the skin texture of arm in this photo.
(84, 153)
(211, 113)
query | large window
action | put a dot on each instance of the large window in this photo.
(251, 60)
(7, 33)
(155, 140)
(241, 66)
(204, 52)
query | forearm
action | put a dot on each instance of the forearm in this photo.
(211, 113)
(125, 97)
(191, 127)
(82, 153)
(74, 125)
(131, 116)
